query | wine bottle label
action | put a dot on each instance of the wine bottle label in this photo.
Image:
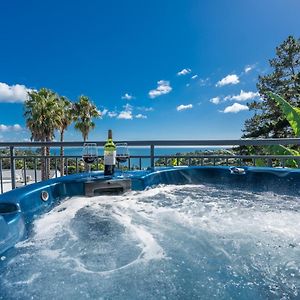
(110, 158)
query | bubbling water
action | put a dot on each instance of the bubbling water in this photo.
(168, 242)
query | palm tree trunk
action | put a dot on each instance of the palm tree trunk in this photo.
(62, 160)
(86, 166)
(43, 163)
(47, 161)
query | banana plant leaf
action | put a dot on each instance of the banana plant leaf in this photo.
(291, 113)
(282, 150)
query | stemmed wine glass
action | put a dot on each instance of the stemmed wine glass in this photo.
(89, 155)
(122, 154)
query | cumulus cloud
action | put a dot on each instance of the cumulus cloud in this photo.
(184, 72)
(127, 96)
(163, 87)
(184, 107)
(235, 108)
(194, 77)
(126, 114)
(229, 79)
(243, 96)
(112, 114)
(13, 93)
(140, 116)
(215, 100)
(6, 128)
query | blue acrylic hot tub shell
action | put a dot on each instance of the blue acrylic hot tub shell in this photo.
(28, 203)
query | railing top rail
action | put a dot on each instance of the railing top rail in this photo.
(162, 156)
(166, 156)
(231, 142)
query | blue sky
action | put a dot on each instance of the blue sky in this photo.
(159, 69)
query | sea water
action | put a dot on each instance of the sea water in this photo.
(168, 242)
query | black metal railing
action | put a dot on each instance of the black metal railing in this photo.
(11, 159)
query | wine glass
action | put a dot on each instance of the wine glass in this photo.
(122, 154)
(89, 155)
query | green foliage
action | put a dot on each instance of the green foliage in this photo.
(65, 107)
(269, 120)
(291, 113)
(83, 113)
(282, 150)
(43, 114)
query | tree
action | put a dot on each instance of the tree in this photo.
(269, 120)
(84, 111)
(43, 116)
(66, 119)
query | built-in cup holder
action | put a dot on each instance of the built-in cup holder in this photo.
(8, 208)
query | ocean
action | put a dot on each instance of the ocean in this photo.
(144, 151)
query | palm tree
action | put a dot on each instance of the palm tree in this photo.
(66, 119)
(43, 116)
(84, 111)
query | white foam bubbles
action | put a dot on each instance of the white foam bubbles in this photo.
(169, 241)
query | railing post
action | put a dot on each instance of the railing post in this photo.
(12, 167)
(152, 155)
(25, 174)
(269, 162)
(1, 176)
(35, 170)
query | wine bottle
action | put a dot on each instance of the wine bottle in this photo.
(109, 155)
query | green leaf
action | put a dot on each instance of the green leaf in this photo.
(291, 113)
(282, 150)
(260, 162)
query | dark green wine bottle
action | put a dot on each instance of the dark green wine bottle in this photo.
(109, 155)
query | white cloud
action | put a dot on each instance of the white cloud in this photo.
(229, 79)
(6, 128)
(184, 72)
(235, 108)
(127, 96)
(184, 107)
(128, 107)
(140, 116)
(104, 112)
(112, 114)
(194, 77)
(126, 114)
(248, 69)
(215, 100)
(13, 93)
(243, 96)
(143, 108)
(163, 87)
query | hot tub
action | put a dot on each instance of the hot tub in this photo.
(181, 233)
